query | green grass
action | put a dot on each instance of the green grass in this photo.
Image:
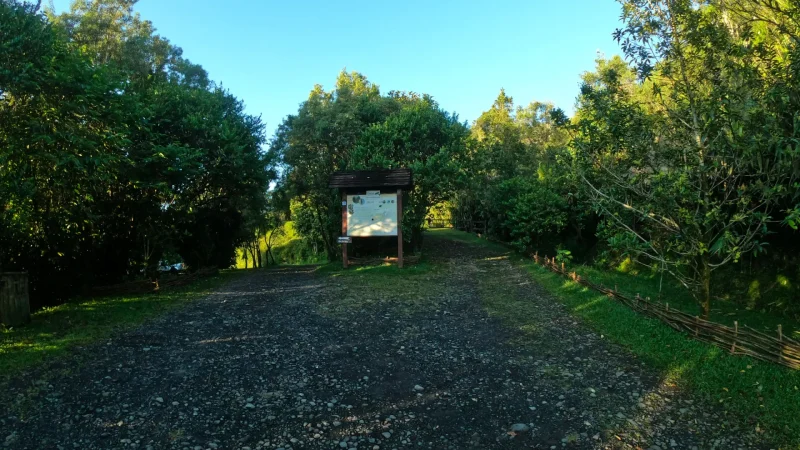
(722, 310)
(405, 291)
(754, 393)
(53, 331)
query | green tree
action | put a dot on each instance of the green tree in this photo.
(317, 141)
(425, 139)
(686, 167)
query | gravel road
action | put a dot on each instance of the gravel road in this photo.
(299, 358)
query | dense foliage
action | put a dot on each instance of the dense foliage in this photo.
(116, 151)
(355, 127)
(684, 161)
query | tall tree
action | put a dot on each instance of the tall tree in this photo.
(690, 164)
(317, 141)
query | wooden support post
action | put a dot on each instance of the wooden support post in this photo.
(780, 332)
(400, 228)
(345, 261)
(735, 336)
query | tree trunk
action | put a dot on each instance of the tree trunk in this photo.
(258, 252)
(705, 287)
(244, 255)
(253, 255)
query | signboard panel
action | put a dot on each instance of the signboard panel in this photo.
(344, 240)
(374, 214)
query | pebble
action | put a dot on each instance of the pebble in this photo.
(520, 428)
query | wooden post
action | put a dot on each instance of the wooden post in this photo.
(735, 335)
(400, 228)
(15, 307)
(780, 333)
(345, 261)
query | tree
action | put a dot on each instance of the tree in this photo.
(686, 166)
(423, 138)
(317, 141)
(112, 157)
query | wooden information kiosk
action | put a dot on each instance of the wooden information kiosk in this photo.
(372, 205)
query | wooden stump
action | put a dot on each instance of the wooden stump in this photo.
(15, 307)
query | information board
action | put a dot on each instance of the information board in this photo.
(374, 214)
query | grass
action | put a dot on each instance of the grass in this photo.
(723, 311)
(757, 394)
(406, 291)
(53, 331)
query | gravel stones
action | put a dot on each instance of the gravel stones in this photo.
(293, 358)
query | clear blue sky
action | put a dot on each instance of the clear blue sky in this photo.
(271, 53)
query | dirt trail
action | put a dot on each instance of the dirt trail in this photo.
(298, 359)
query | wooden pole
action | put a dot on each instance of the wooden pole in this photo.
(400, 228)
(345, 262)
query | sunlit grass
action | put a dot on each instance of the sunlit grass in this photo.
(54, 330)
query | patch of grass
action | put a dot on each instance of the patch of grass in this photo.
(758, 394)
(53, 331)
(499, 289)
(406, 291)
(722, 311)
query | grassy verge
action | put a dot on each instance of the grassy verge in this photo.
(53, 331)
(765, 396)
(723, 311)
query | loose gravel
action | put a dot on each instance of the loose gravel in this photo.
(298, 359)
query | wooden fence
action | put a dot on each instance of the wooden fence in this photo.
(778, 349)
(15, 307)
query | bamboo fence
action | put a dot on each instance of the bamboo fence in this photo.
(778, 349)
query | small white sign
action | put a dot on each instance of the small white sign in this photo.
(345, 240)
(344, 202)
(374, 193)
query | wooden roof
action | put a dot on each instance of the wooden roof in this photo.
(391, 178)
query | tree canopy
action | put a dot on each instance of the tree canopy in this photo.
(116, 151)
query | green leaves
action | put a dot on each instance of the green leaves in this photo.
(115, 150)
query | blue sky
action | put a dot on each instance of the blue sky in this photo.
(271, 53)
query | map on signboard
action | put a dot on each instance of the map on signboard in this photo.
(374, 214)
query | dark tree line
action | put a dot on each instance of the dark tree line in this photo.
(116, 152)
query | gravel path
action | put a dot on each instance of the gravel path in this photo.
(297, 359)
